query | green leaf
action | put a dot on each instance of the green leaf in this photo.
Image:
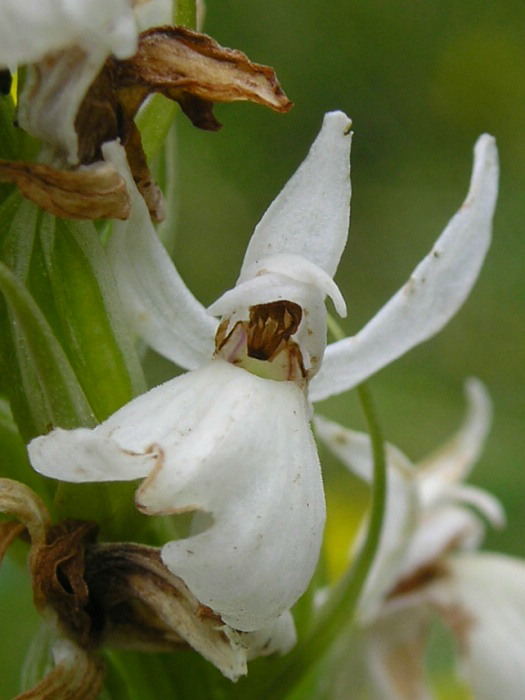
(15, 143)
(18, 221)
(48, 380)
(157, 115)
(154, 122)
(180, 675)
(165, 171)
(14, 463)
(186, 13)
(17, 229)
(97, 340)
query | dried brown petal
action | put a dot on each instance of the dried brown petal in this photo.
(196, 71)
(183, 65)
(77, 675)
(142, 605)
(93, 192)
(58, 577)
(8, 534)
(20, 502)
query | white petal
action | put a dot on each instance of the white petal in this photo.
(490, 591)
(437, 531)
(454, 460)
(129, 443)
(278, 636)
(483, 501)
(354, 450)
(311, 214)
(86, 455)
(161, 308)
(395, 650)
(228, 443)
(153, 13)
(249, 461)
(433, 294)
(31, 28)
(299, 269)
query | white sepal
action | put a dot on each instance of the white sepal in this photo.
(161, 308)
(310, 216)
(435, 291)
(453, 461)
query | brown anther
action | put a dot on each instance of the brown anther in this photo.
(270, 328)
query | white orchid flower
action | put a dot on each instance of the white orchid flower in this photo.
(68, 42)
(231, 438)
(426, 564)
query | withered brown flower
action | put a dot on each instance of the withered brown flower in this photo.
(183, 65)
(109, 594)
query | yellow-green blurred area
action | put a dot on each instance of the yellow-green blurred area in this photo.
(421, 80)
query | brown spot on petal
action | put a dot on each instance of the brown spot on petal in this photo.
(94, 192)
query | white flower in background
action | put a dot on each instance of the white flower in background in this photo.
(426, 565)
(231, 438)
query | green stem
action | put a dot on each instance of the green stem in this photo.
(185, 13)
(338, 612)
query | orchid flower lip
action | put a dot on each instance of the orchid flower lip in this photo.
(220, 457)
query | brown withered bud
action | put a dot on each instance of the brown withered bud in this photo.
(185, 66)
(116, 594)
(77, 675)
(92, 192)
(138, 604)
(57, 568)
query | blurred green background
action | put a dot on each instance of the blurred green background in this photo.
(421, 80)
